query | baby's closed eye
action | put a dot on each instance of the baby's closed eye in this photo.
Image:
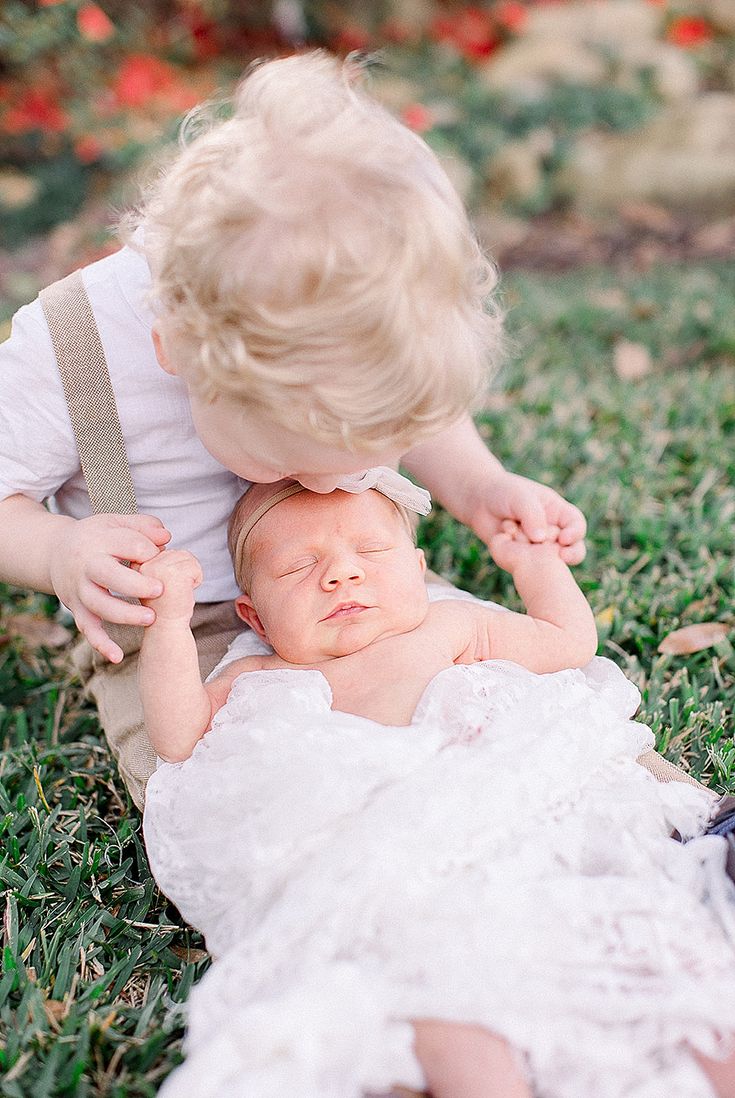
(292, 568)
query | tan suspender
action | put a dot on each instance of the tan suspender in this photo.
(89, 396)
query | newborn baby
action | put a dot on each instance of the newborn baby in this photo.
(416, 837)
(335, 583)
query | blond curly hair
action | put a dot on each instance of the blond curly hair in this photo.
(312, 261)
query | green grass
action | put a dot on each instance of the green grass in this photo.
(95, 963)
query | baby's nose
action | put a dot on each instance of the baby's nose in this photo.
(342, 569)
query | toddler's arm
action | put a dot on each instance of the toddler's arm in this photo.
(81, 561)
(558, 630)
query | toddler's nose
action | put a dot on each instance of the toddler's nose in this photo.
(321, 483)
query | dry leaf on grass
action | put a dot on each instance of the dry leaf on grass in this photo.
(631, 361)
(693, 638)
(189, 954)
(37, 631)
(647, 215)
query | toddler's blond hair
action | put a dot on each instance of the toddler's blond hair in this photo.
(312, 261)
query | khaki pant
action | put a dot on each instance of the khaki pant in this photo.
(114, 687)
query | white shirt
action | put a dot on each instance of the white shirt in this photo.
(174, 477)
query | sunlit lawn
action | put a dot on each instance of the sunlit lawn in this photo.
(94, 961)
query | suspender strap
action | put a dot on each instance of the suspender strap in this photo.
(89, 396)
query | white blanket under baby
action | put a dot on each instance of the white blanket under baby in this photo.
(502, 861)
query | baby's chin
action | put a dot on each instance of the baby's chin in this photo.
(351, 641)
(355, 637)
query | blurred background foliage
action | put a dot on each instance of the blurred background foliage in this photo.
(503, 90)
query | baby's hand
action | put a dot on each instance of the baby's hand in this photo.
(510, 548)
(180, 573)
(537, 508)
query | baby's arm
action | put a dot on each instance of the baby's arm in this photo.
(558, 630)
(178, 707)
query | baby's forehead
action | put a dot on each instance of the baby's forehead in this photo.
(310, 510)
(307, 516)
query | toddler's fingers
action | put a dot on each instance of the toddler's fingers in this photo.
(149, 525)
(573, 526)
(91, 627)
(509, 526)
(111, 575)
(129, 545)
(107, 607)
(532, 519)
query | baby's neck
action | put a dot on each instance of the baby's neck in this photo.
(384, 680)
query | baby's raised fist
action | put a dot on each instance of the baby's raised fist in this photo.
(180, 573)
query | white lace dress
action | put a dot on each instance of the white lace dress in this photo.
(502, 861)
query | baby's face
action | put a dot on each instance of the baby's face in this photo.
(332, 574)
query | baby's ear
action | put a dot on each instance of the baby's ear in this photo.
(246, 612)
(422, 559)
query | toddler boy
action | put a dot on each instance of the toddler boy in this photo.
(301, 295)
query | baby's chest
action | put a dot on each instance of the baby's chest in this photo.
(386, 682)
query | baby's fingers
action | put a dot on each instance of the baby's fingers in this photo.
(514, 531)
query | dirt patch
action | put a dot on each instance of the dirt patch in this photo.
(642, 235)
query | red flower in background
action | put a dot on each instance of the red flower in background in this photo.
(37, 109)
(93, 24)
(471, 32)
(139, 78)
(204, 33)
(352, 38)
(689, 31)
(417, 117)
(394, 30)
(143, 78)
(512, 15)
(88, 148)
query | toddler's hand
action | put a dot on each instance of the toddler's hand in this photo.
(511, 549)
(536, 508)
(179, 573)
(88, 563)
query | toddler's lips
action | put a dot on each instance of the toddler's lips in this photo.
(345, 610)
